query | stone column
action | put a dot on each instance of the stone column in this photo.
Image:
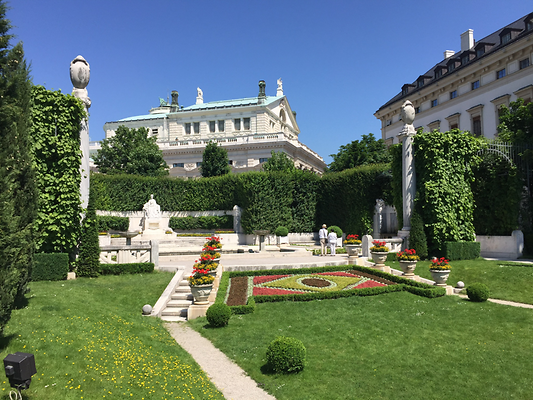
(408, 169)
(80, 73)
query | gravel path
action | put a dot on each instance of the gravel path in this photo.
(227, 376)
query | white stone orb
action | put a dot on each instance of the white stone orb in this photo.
(147, 309)
(460, 284)
(80, 72)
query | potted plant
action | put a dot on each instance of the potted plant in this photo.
(440, 270)
(379, 252)
(282, 235)
(353, 245)
(213, 241)
(201, 284)
(207, 262)
(212, 252)
(408, 259)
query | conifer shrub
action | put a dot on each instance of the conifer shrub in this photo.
(50, 267)
(478, 292)
(417, 237)
(218, 315)
(286, 354)
(281, 231)
(88, 263)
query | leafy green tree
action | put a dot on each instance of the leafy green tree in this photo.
(215, 161)
(279, 162)
(18, 196)
(516, 122)
(132, 152)
(366, 151)
(88, 263)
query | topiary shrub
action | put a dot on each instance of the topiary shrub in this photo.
(478, 292)
(286, 354)
(337, 230)
(417, 237)
(218, 315)
(281, 231)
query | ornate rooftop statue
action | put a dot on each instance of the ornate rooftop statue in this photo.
(200, 96)
(280, 88)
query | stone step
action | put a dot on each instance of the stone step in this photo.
(181, 296)
(179, 303)
(183, 289)
(184, 282)
(173, 318)
(174, 312)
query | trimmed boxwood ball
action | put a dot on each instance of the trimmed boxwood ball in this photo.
(478, 292)
(218, 314)
(286, 354)
(281, 231)
(337, 230)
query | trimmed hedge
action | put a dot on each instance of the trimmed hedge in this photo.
(105, 223)
(478, 292)
(218, 315)
(128, 268)
(210, 222)
(462, 250)
(286, 354)
(50, 267)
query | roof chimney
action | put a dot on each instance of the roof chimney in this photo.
(448, 53)
(467, 40)
(261, 96)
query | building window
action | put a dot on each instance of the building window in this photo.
(198, 164)
(155, 131)
(417, 110)
(480, 51)
(475, 85)
(237, 124)
(262, 160)
(388, 122)
(434, 103)
(230, 162)
(196, 127)
(188, 128)
(529, 25)
(476, 126)
(465, 59)
(453, 94)
(405, 90)
(451, 66)
(176, 165)
(438, 73)
(506, 38)
(246, 123)
(221, 125)
(454, 126)
(419, 83)
(524, 63)
(500, 74)
(211, 127)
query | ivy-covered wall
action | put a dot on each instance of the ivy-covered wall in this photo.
(54, 131)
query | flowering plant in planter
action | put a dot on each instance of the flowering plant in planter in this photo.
(210, 250)
(352, 239)
(208, 267)
(200, 277)
(407, 255)
(379, 246)
(440, 264)
(213, 241)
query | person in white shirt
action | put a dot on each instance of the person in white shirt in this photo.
(332, 239)
(323, 236)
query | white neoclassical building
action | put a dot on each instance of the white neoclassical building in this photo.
(249, 129)
(466, 89)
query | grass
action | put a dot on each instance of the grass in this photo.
(390, 346)
(91, 342)
(506, 280)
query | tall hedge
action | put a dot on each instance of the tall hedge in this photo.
(88, 263)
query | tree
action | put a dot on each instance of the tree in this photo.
(215, 161)
(516, 122)
(364, 152)
(279, 162)
(132, 152)
(18, 196)
(88, 263)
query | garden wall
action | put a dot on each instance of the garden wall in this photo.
(510, 247)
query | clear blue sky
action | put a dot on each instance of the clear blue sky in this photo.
(339, 60)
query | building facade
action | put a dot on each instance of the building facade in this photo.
(466, 89)
(248, 128)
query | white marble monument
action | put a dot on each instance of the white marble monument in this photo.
(80, 73)
(152, 216)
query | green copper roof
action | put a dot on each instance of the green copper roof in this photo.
(249, 101)
(141, 117)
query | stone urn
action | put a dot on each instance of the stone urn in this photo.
(201, 293)
(408, 267)
(353, 250)
(440, 276)
(213, 272)
(379, 258)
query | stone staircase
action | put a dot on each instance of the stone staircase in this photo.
(180, 300)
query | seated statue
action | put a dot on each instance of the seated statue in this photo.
(152, 214)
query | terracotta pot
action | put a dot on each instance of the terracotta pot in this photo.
(201, 293)
(353, 249)
(440, 276)
(379, 257)
(408, 267)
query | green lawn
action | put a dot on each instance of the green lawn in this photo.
(389, 346)
(91, 342)
(506, 280)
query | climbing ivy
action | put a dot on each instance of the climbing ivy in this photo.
(55, 127)
(443, 162)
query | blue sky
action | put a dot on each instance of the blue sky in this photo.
(339, 60)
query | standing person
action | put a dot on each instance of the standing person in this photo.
(323, 236)
(332, 239)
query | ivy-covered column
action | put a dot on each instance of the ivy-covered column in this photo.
(408, 169)
(80, 73)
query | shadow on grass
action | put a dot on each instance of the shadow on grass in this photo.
(4, 341)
